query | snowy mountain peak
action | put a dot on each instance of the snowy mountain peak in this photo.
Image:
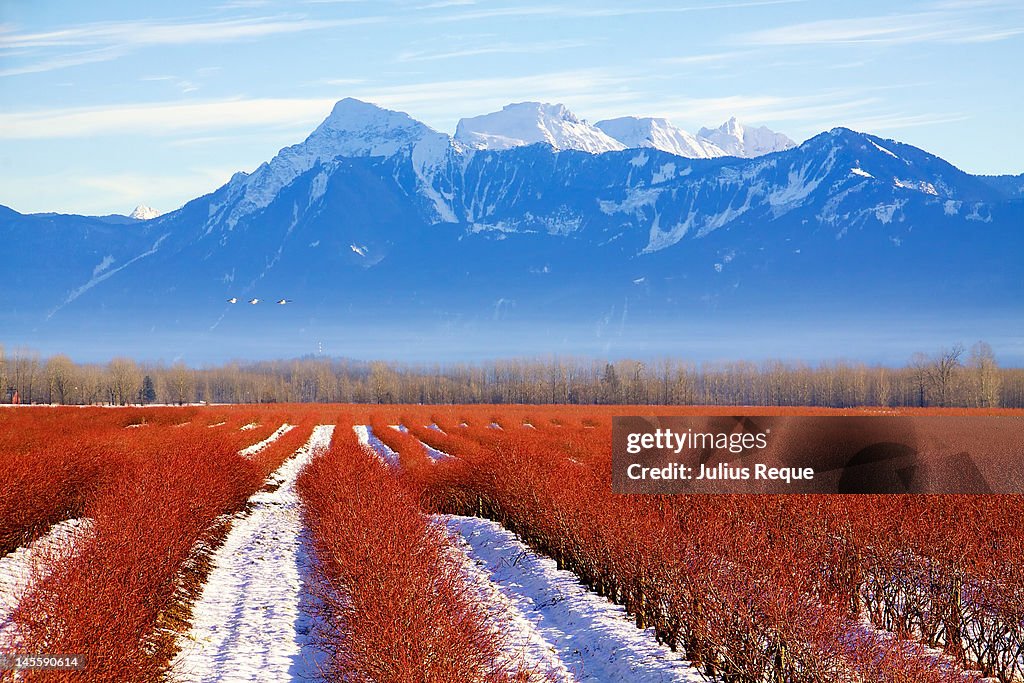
(737, 140)
(353, 129)
(527, 123)
(143, 213)
(660, 134)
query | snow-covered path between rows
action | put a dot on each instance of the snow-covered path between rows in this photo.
(257, 447)
(19, 567)
(370, 440)
(554, 621)
(251, 622)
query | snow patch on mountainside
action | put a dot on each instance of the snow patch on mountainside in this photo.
(107, 261)
(663, 174)
(527, 123)
(882, 149)
(105, 274)
(660, 134)
(918, 185)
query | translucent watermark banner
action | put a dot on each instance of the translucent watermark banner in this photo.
(834, 454)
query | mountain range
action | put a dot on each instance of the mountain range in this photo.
(532, 232)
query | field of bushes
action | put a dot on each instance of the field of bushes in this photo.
(117, 526)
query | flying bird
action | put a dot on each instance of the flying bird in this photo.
(254, 301)
(233, 300)
(282, 302)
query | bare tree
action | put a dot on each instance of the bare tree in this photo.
(180, 384)
(60, 376)
(943, 369)
(982, 362)
(919, 370)
(25, 375)
(883, 387)
(124, 380)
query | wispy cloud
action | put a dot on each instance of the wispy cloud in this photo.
(710, 58)
(339, 81)
(182, 84)
(112, 40)
(441, 4)
(131, 189)
(580, 11)
(164, 118)
(496, 48)
(891, 29)
(65, 61)
(243, 4)
(93, 191)
(147, 33)
(887, 122)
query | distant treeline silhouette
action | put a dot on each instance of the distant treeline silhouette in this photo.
(953, 376)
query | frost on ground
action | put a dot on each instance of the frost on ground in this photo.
(587, 635)
(19, 567)
(252, 621)
(369, 440)
(257, 447)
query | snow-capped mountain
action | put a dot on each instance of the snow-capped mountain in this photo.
(634, 132)
(143, 213)
(391, 237)
(736, 140)
(354, 129)
(528, 123)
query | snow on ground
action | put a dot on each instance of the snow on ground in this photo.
(252, 623)
(524, 643)
(495, 425)
(18, 567)
(434, 454)
(251, 425)
(592, 638)
(399, 428)
(257, 447)
(433, 425)
(217, 424)
(380, 449)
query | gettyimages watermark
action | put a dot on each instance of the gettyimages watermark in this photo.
(833, 454)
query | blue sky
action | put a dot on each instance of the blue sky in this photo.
(108, 104)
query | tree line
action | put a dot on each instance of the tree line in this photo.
(953, 376)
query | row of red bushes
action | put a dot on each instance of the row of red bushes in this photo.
(720, 578)
(395, 605)
(53, 460)
(944, 571)
(153, 508)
